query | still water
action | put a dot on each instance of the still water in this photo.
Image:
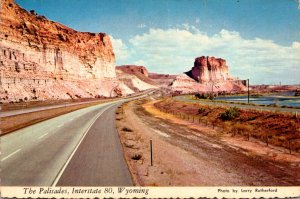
(280, 100)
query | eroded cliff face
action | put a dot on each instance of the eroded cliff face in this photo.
(209, 69)
(41, 59)
(135, 77)
(209, 74)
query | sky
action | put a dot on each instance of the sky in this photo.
(259, 39)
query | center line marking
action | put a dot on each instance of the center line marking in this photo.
(42, 136)
(10, 155)
(78, 144)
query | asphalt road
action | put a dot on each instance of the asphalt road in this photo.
(34, 109)
(81, 148)
(242, 106)
(99, 158)
(40, 108)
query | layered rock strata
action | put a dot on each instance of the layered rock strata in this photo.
(135, 77)
(209, 74)
(163, 80)
(41, 59)
(208, 69)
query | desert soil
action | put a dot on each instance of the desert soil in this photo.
(187, 154)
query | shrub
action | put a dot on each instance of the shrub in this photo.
(136, 157)
(126, 129)
(201, 96)
(230, 113)
(201, 110)
(32, 12)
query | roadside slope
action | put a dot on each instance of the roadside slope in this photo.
(186, 156)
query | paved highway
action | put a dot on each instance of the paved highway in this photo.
(242, 106)
(34, 109)
(40, 108)
(81, 148)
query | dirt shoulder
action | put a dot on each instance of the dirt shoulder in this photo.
(188, 154)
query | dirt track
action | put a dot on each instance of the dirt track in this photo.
(184, 155)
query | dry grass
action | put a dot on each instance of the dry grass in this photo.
(279, 129)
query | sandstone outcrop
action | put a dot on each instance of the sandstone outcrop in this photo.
(135, 77)
(41, 59)
(133, 69)
(209, 69)
(163, 80)
(209, 74)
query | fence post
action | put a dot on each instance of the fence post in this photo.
(290, 147)
(151, 153)
(248, 135)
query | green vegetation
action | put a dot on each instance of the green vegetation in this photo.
(126, 129)
(136, 157)
(201, 110)
(230, 113)
(205, 96)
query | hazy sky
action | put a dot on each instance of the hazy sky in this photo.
(260, 39)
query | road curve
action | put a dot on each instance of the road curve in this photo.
(79, 148)
(48, 107)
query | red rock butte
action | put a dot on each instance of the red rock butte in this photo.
(208, 74)
(208, 69)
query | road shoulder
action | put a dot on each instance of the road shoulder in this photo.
(181, 158)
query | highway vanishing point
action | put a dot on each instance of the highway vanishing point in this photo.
(81, 148)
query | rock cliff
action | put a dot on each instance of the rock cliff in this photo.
(135, 77)
(163, 80)
(209, 69)
(209, 74)
(41, 59)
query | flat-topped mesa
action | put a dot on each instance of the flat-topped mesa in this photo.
(53, 60)
(209, 69)
(133, 69)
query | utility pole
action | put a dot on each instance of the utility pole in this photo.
(248, 91)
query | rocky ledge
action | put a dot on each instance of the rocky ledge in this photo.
(135, 77)
(41, 59)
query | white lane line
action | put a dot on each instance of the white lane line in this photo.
(60, 125)
(42, 136)
(77, 146)
(10, 155)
